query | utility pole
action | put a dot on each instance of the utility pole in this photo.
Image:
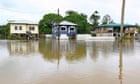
(58, 25)
(122, 19)
(58, 40)
(121, 39)
(121, 64)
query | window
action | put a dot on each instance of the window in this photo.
(15, 27)
(33, 28)
(63, 28)
(20, 27)
(71, 29)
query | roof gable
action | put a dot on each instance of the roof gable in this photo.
(20, 22)
(66, 23)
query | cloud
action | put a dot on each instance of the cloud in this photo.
(14, 15)
(9, 4)
(37, 8)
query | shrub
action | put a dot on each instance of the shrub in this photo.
(93, 34)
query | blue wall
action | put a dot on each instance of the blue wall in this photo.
(69, 30)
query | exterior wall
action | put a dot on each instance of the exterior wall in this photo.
(33, 29)
(68, 30)
(72, 29)
(63, 29)
(18, 30)
(104, 31)
(55, 31)
(104, 34)
(24, 28)
(130, 30)
(111, 31)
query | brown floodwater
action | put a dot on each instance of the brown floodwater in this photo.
(69, 62)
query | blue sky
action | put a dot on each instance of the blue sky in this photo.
(34, 10)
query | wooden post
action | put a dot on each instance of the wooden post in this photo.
(121, 64)
(122, 20)
(121, 39)
(58, 25)
(58, 40)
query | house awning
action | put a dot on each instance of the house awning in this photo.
(115, 25)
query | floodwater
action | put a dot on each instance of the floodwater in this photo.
(69, 62)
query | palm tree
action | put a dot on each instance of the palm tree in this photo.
(94, 18)
(107, 19)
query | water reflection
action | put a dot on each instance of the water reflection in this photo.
(48, 51)
(127, 49)
(72, 50)
(121, 63)
(23, 47)
(3, 49)
(99, 48)
(78, 52)
(75, 50)
(79, 62)
(127, 46)
(69, 49)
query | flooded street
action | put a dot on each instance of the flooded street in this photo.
(69, 62)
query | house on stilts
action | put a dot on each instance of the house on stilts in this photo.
(64, 30)
(113, 30)
(23, 29)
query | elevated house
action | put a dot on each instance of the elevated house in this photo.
(22, 28)
(114, 30)
(64, 30)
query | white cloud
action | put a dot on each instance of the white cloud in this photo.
(34, 9)
(13, 15)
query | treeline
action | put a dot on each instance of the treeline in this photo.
(81, 19)
(84, 23)
(46, 22)
(4, 31)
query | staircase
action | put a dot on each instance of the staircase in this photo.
(64, 37)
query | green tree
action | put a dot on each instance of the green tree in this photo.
(94, 18)
(138, 27)
(107, 19)
(45, 24)
(4, 31)
(79, 19)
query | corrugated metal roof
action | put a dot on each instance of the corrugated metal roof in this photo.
(66, 23)
(115, 25)
(21, 22)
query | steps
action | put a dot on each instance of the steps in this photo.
(64, 37)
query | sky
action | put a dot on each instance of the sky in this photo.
(34, 10)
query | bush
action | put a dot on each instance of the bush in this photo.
(93, 34)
